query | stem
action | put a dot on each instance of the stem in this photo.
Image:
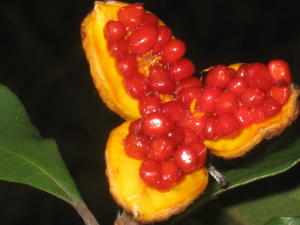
(85, 213)
(219, 177)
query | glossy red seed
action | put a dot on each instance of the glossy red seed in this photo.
(142, 39)
(206, 101)
(161, 148)
(149, 19)
(118, 48)
(211, 129)
(173, 50)
(186, 158)
(150, 172)
(257, 114)
(136, 146)
(194, 123)
(171, 175)
(127, 65)
(271, 107)
(132, 15)
(114, 30)
(188, 82)
(156, 124)
(237, 85)
(252, 97)
(190, 135)
(182, 69)
(280, 93)
(135, 126)
(243, 115)
(228, 124)
(226, 103)
(174, 110)
(159, 80)
(280, 72)
(149, 104)
(136, 85)
(218, 77)
(201, 152)
(186, 95)
(241, 72)
(258, 76)
(177, 135)
(163, 36)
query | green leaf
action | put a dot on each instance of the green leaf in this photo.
(270, 158)
(284, 221)
(27, 158)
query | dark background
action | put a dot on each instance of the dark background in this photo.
(42, 61)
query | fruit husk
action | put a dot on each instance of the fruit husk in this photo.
(146, 204)
(228, 147)
(105, 75)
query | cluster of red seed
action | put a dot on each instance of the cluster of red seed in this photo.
(169, 136)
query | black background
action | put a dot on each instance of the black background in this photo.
(42, 61)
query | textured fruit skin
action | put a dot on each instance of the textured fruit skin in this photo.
(145, 203)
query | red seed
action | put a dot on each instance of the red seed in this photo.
(280, 93)
(218, 77)
(174, 110)
(173, 51)
(182, 69)
(211, 129)
(194, 123)
(135, 126)
(163, 36)
(161, 148)
(159, 80)
(228, 124)
(136, 146)
(206, 101)
(257, 114)
(142, 39)
(114, 30)
(237, 85)
(118, 48)
(127, 65)
(149, 19)
(241, 72)
(258, 76)
(186, 158)
(226, 103)
(188, 82)
(280, 72)
(132, 15)
(271, 107)
(186, 95)
(156, 124)
(201, 152)
(149, 104)
(171, 175)
(190, 135)
(243, 115)
(177, 135)
(136, 85)
(150, 172)
(252, 97)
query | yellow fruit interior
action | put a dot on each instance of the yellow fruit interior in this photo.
(103, 69)
(134, 195)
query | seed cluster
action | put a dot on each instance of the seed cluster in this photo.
(169, 136)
